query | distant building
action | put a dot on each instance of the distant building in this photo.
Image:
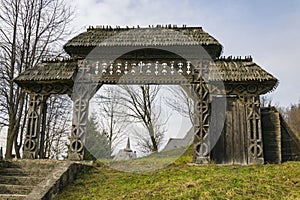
(177, 143)
(126, 153)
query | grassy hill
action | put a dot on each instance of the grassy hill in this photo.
(181, 180)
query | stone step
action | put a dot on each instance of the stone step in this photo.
(15, 189)
(6, 164)
(27, 165)
(20, 180)
(32, 164)
(24, 172)
(12, 196)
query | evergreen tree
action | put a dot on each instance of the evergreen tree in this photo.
(97, 143)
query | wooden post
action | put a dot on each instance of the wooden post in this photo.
(43, 128)
(33, 134)
(254, 130)
(201, 153)
(83, 90)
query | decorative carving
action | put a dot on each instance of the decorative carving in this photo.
(201, 121)
(84, 89)
(36, 114)
(140, 72)
(246, 88)
(254, 131)
(49, 88)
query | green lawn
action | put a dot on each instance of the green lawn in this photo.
(182, 181)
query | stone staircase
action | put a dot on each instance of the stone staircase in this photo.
(36, 179)
(18, 178)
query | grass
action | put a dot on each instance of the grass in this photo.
(146, 164)
(182, 181)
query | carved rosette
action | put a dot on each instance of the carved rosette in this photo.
(35, 116)
(254, 130)
(51, 88)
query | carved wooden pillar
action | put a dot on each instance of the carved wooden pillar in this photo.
(83, 90)
(79, 123)
(34, 126)
(254, 130)
(201, 143)
(43, 128)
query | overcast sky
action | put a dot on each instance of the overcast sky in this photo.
(266, 29)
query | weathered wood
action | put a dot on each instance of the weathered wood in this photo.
(218, 153)
(228, 134)
(217, 129)
(255, 142)
(281, 144)
(231, 147)
(238, 135)
(235, 133)
(290, 143)
(271, 135)
(243, 132)
(34, 126)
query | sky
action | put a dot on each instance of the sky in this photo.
(268, 30)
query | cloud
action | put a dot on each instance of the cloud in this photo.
(267, 30)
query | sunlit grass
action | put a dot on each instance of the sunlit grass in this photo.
(149, 163)
(183, 181)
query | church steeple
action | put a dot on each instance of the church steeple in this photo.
(127, 148)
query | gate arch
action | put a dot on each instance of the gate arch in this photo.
(153, 65)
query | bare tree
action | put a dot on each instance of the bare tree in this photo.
(265, 101)
(112, 121)
(140, 102)
(292, 115)
(29, 31)
(58, 123)
(181, 102)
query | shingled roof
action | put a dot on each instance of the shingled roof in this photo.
(233, 70)
(239, 70)
(142, 37)
(49, 71)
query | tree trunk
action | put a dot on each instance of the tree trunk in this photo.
(9, 143)
(23, 43)
(17, 148)
(152, 137)
(9, 147)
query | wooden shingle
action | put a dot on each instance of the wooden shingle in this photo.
(49, 71)
(142, 37)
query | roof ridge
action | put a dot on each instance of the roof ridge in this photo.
(235, 58)
(59, 59)
(126, 27)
